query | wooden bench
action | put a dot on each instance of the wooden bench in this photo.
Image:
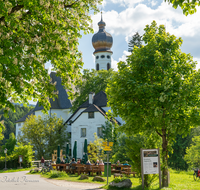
(80, 168)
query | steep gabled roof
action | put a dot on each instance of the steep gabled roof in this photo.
(32, 112)
(100, 99)
(62, 102)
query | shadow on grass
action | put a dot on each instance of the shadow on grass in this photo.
(139, 187)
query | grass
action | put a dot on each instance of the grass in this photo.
(14, 170)
(179, 180)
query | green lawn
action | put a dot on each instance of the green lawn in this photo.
(179, 180)
(14, 170)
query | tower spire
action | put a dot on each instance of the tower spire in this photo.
(102, 42)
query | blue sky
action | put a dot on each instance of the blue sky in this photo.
(124, 18)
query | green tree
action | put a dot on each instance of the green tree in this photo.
(192, 156)
(44, 134)
(188, 7)
(9, 122)
(176, 156)
(10, 144)
(133, 144)
(135, 41)
(95, 149)
(119, 149)
(33, 33)
(91, 81)
(157, 90)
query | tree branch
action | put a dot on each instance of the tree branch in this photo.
(69, 6)
(158, 133)
(14, 9)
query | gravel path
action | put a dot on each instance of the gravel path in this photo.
(22, 181)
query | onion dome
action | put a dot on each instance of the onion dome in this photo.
(102, 40)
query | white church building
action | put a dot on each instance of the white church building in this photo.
(91, 115)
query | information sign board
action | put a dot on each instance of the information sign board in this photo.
(150, 161)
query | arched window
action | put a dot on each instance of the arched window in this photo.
(97, 57)
(108, 66)
(108, 56)
(102, 56)
(97, 66)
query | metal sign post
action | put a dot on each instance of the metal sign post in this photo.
(107, 150)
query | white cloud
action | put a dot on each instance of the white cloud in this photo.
(134, 19)
(125, 3)
(123, 58)
(114, 64)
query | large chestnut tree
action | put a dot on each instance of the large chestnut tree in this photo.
(157, 90)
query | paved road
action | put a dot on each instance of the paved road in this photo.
(21, 181)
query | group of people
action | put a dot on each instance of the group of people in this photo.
(119, 164)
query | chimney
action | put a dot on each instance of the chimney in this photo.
(91, 97)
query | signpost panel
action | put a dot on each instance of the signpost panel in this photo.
(150, 163)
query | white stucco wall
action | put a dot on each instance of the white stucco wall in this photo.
(64, 113)
(18, 127)
(91, 125)
(103, 61)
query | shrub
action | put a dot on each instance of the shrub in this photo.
(118, 179)
(12, 160)
(56, 174)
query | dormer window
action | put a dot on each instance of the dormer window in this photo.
(90, 114)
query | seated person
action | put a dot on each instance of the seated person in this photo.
(79, 161)
(61, 167)
(88, 163)
(101, 162)
(97, 163)
(126, 163)
(72, 162)
(118, 165)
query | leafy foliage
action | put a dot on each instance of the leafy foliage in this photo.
(9, 122)
(135, 41)
(157, 90)
(192, 156)
(44, 134)
(134, 143)
(188, 7)
(176, 157)
(91, 81)
(95, 149)
(33, 33)
(120, 150)
(119, 179)
(10, 144)
(12, 160)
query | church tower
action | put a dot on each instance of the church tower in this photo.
(102, 42)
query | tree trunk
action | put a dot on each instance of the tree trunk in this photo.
(164, 159)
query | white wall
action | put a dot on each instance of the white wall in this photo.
(103, 61)
(64, 113)
(91, 125)
(18, 127)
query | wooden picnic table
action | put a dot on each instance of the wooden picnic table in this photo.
(91, 169)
